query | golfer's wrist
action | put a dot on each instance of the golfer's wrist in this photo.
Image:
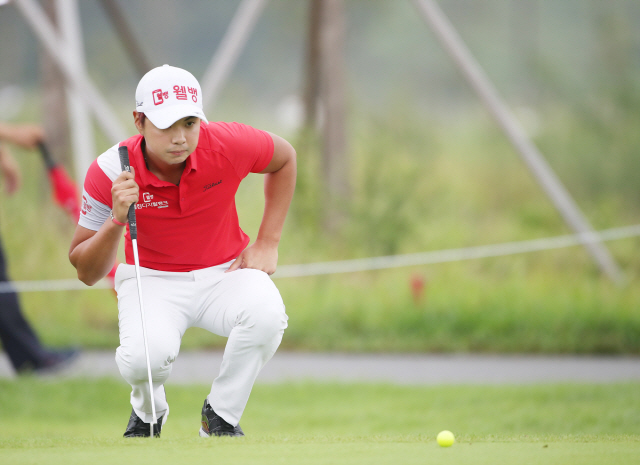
(116, 221)
(268, 241)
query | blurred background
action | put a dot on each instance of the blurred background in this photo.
(396, 153)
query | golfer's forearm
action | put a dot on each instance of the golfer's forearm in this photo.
(278, 192)
(94, 258)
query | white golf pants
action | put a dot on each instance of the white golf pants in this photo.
(243, 305)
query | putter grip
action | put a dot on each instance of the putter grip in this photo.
(123, 152)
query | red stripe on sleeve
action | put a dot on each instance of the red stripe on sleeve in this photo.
(98, 185)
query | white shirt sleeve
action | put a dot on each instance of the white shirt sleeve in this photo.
(93, 213)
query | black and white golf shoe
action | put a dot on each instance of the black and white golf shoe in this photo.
(214, 425)
(139, 429)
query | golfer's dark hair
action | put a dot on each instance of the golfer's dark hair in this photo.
(143, 118)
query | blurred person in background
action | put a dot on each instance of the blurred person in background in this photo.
(24, 349)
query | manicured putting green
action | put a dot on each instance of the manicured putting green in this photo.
(81, 421)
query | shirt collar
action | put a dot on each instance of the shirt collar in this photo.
(147, 177)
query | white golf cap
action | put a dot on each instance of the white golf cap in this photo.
(166, 94)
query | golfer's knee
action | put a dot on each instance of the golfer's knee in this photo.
(261, 310)
(267, 321)
(133, 364)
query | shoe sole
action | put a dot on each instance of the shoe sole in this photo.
(203, 434)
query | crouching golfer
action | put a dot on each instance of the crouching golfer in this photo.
(196, 266)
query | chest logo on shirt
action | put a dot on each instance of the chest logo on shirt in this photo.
(210, 185)
(148, 202)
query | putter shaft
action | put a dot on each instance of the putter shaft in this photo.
(144, 331)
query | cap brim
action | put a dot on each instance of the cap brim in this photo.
(165, 117)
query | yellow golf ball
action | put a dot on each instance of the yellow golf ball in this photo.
(445, 438)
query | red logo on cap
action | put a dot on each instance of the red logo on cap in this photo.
(159, 96)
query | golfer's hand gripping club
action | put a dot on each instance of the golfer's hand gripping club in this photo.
(123, 152)
(133, 231)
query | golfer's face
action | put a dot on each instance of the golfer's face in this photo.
(174, 144)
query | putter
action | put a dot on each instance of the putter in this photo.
(133, 231)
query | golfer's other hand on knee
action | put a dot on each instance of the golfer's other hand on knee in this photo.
(258, 256)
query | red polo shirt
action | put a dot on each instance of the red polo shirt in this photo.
(192, 225)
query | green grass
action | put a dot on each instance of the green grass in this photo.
(79, 421)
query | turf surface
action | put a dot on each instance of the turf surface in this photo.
(73, 422)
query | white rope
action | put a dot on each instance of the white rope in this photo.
(377, 263)
(452, 255)
(50, 285)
